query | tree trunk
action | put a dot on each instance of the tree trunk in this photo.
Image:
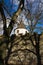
(38, 55)
(4, 20)
(38, 51)
(1, 60)
(8, 54)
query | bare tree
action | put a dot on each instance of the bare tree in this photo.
(32, 26)
(8, 30)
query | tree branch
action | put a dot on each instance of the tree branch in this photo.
(15, 15)
(32, 41)
(24, 50)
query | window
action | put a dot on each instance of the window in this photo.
(17, 31)
(26, 32)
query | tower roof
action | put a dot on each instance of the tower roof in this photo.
(21, 25)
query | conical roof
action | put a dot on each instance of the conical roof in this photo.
(21, 25)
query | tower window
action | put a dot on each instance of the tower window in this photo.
(17, 31)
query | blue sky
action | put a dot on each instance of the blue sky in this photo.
(13, 8)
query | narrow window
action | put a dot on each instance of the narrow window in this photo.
(17, 31)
